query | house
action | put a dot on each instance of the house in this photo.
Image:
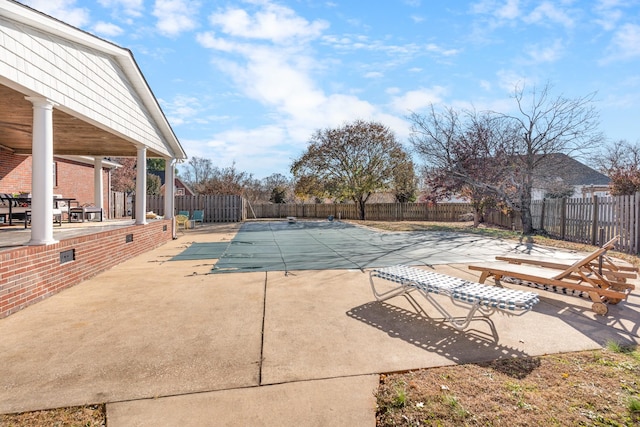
(558, 175)
(65, 92)
(180, 188)
(563, 176)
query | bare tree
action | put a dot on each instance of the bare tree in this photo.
(349, 163)
(277, 188)
(227, 180)
(504, 154)
(123, 179)
(198, 171)
(620, 161)
(466, 153)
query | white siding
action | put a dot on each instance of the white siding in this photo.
(85, 83)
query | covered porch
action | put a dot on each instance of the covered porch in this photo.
(65, 92)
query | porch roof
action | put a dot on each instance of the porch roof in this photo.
(104, 106)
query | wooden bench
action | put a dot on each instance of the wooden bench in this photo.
(473, 296)
(83, 211)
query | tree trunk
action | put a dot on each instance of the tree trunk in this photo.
(361, 204)
(525, 210)
(527, 221)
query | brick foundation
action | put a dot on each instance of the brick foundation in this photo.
(29, 274)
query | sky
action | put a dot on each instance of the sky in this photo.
(247, 82)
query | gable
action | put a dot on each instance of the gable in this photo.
(103, 104)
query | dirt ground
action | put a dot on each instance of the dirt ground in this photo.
(593, 388)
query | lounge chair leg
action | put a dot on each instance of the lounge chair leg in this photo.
(600, 308)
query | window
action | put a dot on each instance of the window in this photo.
(179, 191)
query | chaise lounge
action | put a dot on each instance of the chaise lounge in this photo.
(595, 276)
(474, 297)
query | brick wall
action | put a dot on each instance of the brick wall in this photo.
(29, 274)
(15, 172)
(74, 179)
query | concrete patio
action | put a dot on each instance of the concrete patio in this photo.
(165, 343)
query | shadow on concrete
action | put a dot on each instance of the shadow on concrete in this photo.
(619, 325)
(472, 345)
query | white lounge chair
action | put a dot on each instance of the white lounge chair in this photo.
(474, 297)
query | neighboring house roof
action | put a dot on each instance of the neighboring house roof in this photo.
(178, 182)
(103, 104)
(570, 171)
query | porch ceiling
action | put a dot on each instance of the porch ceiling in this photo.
(71, 135)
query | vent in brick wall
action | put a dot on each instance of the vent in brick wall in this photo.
(164, 227)
(67, 256)
(128, 238)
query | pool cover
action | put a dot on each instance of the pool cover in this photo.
(331, 245)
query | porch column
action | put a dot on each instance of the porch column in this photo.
(42, 172)
(98, 184)
(141, 187)
(169, 187)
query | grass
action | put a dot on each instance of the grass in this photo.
(554, 390)
(77, 416)
(591, 388)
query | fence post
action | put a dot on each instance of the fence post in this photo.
(635, 230)
(594, 224)
(542, 214)
(563, 217)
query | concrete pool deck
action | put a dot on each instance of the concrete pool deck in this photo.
(165, 343)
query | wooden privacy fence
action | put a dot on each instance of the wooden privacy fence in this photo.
(217, 208)
(118, 205)
(591, 220)
(373, 211)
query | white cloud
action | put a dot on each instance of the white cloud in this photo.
(509, 80)
(64, 10)
(511, 10)
(609, 14)
(176, 16)
(275, 23)
(625, 43)
(416, 100)
(252, 48)
(129, 7)
(107, 29)
(548, 12)
(373, 75)
(250, 149)
(540, 54)
(181, 109)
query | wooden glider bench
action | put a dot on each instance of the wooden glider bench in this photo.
(595, 276)
(84, 211)
(474, 297)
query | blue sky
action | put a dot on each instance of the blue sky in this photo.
(249, 81)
